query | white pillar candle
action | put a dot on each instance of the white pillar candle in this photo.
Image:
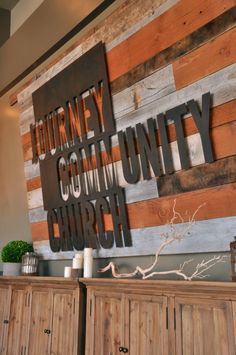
(77, 262)
(88, 262)
(67, 271)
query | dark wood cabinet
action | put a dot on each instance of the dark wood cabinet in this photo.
(160, 317)
(45, 316)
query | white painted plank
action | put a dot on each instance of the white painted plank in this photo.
(31, 170)
(222, 86)
(26, 118)
(35, 198)
(144, 92)
(37, 215)
(213, 235)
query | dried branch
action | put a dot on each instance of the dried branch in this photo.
(168, 238)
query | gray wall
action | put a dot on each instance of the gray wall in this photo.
(220, 272)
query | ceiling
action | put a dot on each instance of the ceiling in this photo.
(8, 4)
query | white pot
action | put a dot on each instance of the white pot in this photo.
(11, 269)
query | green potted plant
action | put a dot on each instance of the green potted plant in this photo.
(11, 255)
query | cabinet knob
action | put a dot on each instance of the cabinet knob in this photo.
(123, 350)
(47, 331)
(6, 321)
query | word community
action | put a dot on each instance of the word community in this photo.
(71, 139)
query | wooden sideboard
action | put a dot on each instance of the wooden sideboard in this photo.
(144, 317)
(41, 315)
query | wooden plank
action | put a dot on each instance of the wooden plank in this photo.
(35, 198)
(118, 26)
(222, 86)
(206, 32)
(152, 9)
(217, 173)
(221, 114)
(34, 183)
(141, 105)
(210, 30)
(143, 93)
(147, 240)
(156, 212)
(150, 89)
(175, 24)
(206, 60)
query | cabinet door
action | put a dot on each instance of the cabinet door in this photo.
(64, 328)
(18, 322)
(146, 325)
(41, 309)
(104, 328)
(204, 327)
(5, 296)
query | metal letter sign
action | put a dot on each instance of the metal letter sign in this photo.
(71, 140)
(73, 117)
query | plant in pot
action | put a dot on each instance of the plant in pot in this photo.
(11, 255)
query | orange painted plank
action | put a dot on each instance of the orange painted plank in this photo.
(223, 134)
(39, 231)
(213, 56)
(34, 183)
(223, 140)
(219, 202)
(182, 19)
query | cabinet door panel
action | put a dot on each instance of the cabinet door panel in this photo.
(63, 323)
(104, 327)
(4, 316)
(40, 320)
(146, 325)
(18, 322)
(204, 327)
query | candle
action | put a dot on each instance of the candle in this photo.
(88, 262)
(67, 271)
(77, 262)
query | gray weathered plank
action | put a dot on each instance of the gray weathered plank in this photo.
(213, 235)
(221, 84)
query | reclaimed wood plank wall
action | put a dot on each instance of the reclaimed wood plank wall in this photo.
(160, 53)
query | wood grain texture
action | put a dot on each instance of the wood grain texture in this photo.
(145, 241)
(206, 60)
(205, 33)
(223, 146)
(17, 331)
(115, 28)
(40, 320)
(192, 318)
(219, 115)
(157, 211)
(182, 19)
(208, 175)
(204, 327)
(154, 99)
(39, 304)
(145, 320)
(107, 333)
(221, 85)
